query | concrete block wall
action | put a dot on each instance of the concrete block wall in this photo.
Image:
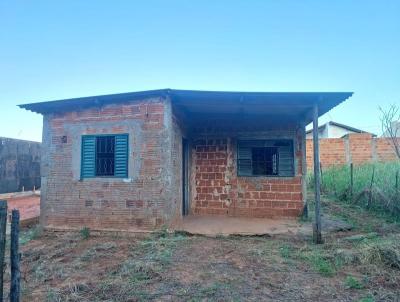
(140, 202)
(355, 148)
(218, 190)
(19, 165)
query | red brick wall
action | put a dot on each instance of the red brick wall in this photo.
(140, 202)
(384, 150)
(360, 148)
(219, 191)
(356, 148)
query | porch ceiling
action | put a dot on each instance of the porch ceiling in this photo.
(273, 105)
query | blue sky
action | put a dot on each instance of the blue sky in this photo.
(62, 49)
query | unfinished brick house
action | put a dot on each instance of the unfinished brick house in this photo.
(143, 160)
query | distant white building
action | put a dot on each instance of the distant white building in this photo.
(334, 130)
(395, 129)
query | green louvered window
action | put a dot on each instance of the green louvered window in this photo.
(104, 156)
(265, 158)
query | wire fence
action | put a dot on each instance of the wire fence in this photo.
(375, 186)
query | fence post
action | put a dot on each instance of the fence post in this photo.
(14, 258)
(3, 226)
(351, 179)
(322, 176)
(370, 187)
(317, 227)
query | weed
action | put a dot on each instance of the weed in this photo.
(353, 283)
(318, 261)
(39, 271)
(369, 298)
(31, 234)
(85, 233)
(286, 251)
(324, 267)
(53, 295)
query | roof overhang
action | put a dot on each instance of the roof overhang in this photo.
(197, 103)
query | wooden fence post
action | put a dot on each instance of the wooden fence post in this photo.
(322, 176)
(14, 258)
(3, 226)
(351, 180)
(317, 233)
(370, 188)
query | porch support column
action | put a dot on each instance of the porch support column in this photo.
(317, 237)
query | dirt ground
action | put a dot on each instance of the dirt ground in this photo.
(358, 265)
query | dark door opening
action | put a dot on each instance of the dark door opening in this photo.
(185, 177)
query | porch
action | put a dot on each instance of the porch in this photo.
(225, 225)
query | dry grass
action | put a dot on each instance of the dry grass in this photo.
(175, 267)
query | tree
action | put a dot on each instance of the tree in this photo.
(390, 121)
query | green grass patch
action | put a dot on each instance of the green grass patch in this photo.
(385, 197)
(320, 260)
(30, 234)
(352, 283)
(369, 298)
(286, 251)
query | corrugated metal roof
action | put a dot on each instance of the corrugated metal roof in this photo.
(194, 101)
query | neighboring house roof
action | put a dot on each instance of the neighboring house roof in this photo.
(295, 103)
(395, 128)
(346, 127)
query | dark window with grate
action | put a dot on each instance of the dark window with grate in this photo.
(265, 158)
(105, 155)
(265, 161)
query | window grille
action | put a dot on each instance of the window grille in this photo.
(265, 158)
(105, 155)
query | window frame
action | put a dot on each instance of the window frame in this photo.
(293, 160)
(105, 176)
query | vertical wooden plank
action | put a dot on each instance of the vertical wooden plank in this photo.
(322, 175)
(14, 258)
(3, 226)
(351, 179)
(370, 188)
(317, 236)
(304, 169)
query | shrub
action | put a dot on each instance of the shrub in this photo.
(85, 233)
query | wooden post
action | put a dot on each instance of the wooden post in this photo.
(322, 175)
(3, 226)
(370, 188)
(317, 236)
(351, 179)
(14, 258)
